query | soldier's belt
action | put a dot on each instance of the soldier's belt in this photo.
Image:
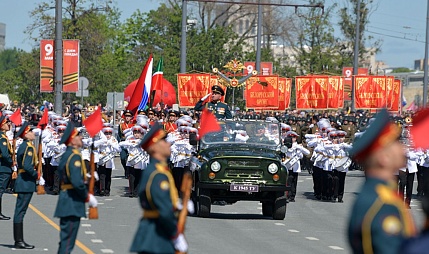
(67, 186)
(183, 154)
(150, 214)
(20, 171)
(339, 157)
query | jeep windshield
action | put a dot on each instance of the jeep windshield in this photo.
(243, 132)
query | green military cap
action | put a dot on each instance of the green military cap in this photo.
(379, 134)
(24, 129)
(69, 134)
(218, 89)
(155, 134)
(3, 120)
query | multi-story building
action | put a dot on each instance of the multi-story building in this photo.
(2, 36)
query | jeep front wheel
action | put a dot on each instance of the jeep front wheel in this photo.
(279, 208)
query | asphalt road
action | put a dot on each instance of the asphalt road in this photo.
(310, 226)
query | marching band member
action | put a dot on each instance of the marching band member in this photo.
(341, 154)
(406, 176)
(423, 163)
(137, 159)
(295, 152)
(58, 150)
(88, 144)
(106, 165)
(170, 125)
(125, 124)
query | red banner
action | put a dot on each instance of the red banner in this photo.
(348, 75)
(389, 91)
(47, 53)
(335, 92)
(396, 95)
(312, 92)
(282, 93)
(192, 87)
(70, 65)
(262, 92)
(370, 92)
(265, 70)
(288, 89)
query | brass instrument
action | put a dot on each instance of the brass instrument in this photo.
(91, 109)
(408, 120)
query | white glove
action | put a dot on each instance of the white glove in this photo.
(190, 206)
(88, 175)
(92, 201)
(41, 181)
(311, 126)
(14, 168)
(180, 243)
(205, 97)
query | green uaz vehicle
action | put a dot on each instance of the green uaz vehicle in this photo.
(241, 162)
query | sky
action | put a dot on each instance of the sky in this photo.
(400, 24)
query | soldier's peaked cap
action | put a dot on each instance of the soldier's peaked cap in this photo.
(218, 89)
(155, 134)
(381, 133)
(69, 134)
(25, 128)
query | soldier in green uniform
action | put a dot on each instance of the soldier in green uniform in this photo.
(218, 108)
(25, 183)
(157, 230)
(379, 222)
(71, 201)
(5, 160)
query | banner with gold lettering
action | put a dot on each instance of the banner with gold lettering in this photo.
(370, 92)
(262, 92)
(389, 91)
(312, 92)
(396, 95)
(285, 88)
(335, 92)
(192, 87)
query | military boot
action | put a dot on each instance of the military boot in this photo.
(3, 217)
(18, 235)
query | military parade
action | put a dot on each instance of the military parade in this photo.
(265, 133)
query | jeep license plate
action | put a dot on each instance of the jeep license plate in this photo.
(244, 188)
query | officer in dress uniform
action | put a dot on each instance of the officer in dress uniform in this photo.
(157, 230)
(25, 183)
(379, 221)
(219, 109)
(71, 202)
(108, 148)
(5, 160)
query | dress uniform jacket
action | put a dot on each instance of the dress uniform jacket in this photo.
(72, 170)
(380, 221)
(219, 109)
(158, 198)
(6, 154)
(27, 175)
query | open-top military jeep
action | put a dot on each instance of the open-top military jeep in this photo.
(241, 162)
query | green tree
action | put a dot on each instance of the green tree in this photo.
(9, 59)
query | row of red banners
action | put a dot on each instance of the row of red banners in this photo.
(312, 92)
(70, 66)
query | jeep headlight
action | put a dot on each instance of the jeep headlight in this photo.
(215, 166)
(273, 168)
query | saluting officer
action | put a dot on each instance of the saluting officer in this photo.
(71, 202)
(5, 160)
(157, 230)
(25, 183)
(379, 222)
(218, 108)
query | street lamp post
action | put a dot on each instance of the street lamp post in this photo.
(356, 55)
(183, 40)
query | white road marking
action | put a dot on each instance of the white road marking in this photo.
(96, 240)
(100, 203)
(279, 224)
(336, 248)
(84, 218)
(86, 225)
(300, 181)
(309, 178)
(293, 231)
(107, 251)
(108, 199)
(312, 238)
(89, 232)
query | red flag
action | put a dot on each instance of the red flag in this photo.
(158, 76)
(16, 117)
(419, 129)
(93, 123)
(44, 120)
(141, 91)
(208, 123)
